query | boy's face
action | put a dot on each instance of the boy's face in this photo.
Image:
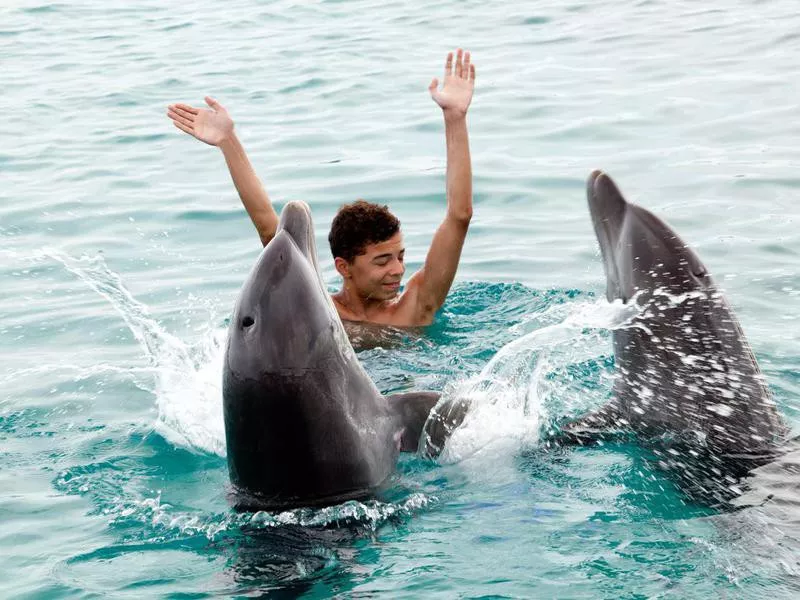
(376, 274)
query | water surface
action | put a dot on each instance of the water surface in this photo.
(124, 245)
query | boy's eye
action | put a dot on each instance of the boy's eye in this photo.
(382, 262)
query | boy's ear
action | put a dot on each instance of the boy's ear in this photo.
(342, 267)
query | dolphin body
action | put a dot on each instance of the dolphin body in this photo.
(686, 376)
(304, 423)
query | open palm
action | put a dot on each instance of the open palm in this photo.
(459, 83)
(212, 126)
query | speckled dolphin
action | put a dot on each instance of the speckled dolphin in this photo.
(304, 423)
(686, 375)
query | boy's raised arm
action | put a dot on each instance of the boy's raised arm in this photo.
(437, 274)
(215, 127)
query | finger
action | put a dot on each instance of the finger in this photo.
(459, 64)
(186, 107)
(184, 113)
(176, 118)
(213, 103)
(183, 128)
(472, 73)
(466, 65)
(433, 86)
(176, 115)
(448, 64)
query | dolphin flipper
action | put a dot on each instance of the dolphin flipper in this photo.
(442, 421)
(412, 410)
(606, 423)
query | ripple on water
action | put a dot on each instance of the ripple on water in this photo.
(138, 569)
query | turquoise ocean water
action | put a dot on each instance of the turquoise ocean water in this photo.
(123, 246)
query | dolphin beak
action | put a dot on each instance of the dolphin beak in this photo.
(607, 207)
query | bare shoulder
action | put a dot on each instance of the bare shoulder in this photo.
(344, 313)
(403, 311)
(419, 312)
(408, 310)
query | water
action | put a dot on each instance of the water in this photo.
(123, 247)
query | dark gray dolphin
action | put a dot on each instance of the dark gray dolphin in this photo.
(304, 423)
(685, 372)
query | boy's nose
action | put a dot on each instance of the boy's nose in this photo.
(398, 268)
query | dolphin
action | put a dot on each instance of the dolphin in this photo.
(686, 376)
(304, 423)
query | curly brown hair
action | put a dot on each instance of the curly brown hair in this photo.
(359, 224)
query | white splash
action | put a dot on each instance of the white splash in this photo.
(510, 397)
(186, 380)
(173, 523)
(189, 401)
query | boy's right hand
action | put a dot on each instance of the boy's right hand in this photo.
(210, 126)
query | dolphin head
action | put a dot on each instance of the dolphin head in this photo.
(284, 308)
(641, 253)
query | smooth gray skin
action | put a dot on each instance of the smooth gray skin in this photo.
(304, 423)
(686, 373)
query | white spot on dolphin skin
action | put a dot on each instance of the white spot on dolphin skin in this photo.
(644, 328)
(723, 410)
(689, 359)
(676, 299)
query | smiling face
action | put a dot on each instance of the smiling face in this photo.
(376, 273)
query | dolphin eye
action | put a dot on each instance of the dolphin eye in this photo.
(698, 269)
(247, 322)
